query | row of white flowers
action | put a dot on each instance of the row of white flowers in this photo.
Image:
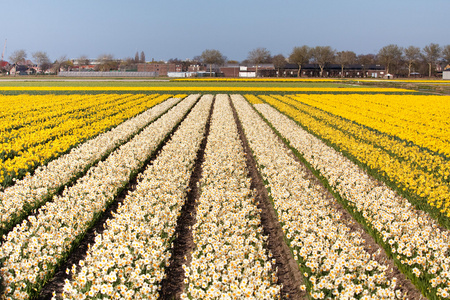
(229, 260)
(32, 190)
(34, 248)
(411, 235)
(331, 256)
(129, 258)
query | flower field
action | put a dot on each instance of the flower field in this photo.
(35, 129)
(97, 189)
(409, 148)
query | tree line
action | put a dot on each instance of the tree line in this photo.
(104, 62)
(397, 60)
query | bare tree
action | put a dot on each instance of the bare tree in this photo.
(106, 62)
(323, 55)
(412, 55)
(390, 55)
(300, 56)
(62, 63)
(446, 54)
(345, 58)
(212, 57)
(18, 57)
(279, 62)
(431, 54)
(127, 63)
(81, 61)
(258, 56)
(42, 60)
(142, 57)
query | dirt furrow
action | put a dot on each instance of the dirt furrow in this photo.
(287, 269)
(173, 285)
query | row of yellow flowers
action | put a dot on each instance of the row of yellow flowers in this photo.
(39, 140)
(406, 175)
(221, 79)
(24, 113)
(23, 110)
(421, 120)
(33, 249)
(262, 79)
(331, 255)
(129, 259)
(18, 200)
(415, 241)
(48, 126)
(424, 142)
(224, 89)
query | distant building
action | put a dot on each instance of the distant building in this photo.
(3, 64)
(334, 70)
(446, 73)
(196, 68)
(162, 69)
(235, 70)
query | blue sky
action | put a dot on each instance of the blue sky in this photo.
(183, 29)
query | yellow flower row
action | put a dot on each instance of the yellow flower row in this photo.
(210, 88)
(222, 79)
(422, 120)
(405, 80)
(404, 173)
(39, 140)
(42, 125)
(380, 129)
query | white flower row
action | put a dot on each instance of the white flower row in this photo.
(129, 258)
(229, 260)
(32, 190)
(34, 248)
(331, 256)
(412, 235)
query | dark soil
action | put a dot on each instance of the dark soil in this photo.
(288, 272)
(173, 285)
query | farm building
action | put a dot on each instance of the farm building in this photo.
(446, 73)
(160, 68)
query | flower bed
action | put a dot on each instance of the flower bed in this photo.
(420, 174)
(18, 200)
(34, 248)
(229, 260)
(35, 141)
(128, 259)
(418, 246)
(331, 256)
